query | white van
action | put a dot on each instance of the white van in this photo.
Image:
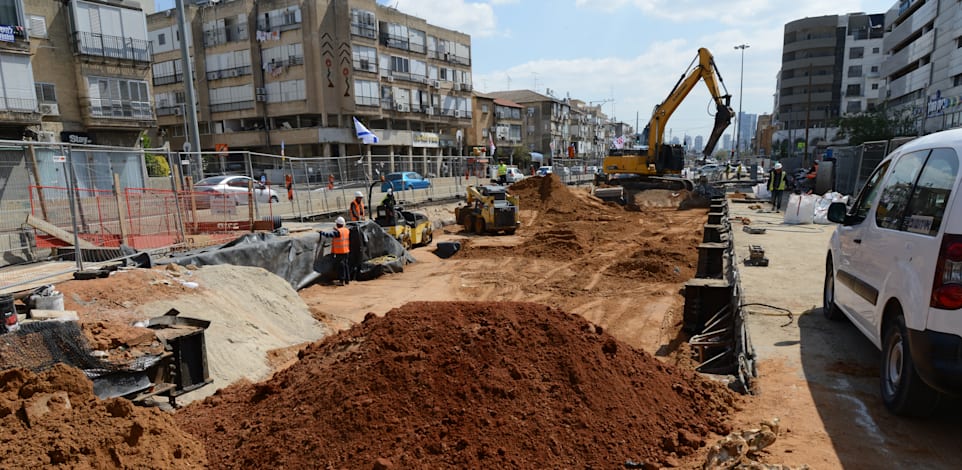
(894, 268)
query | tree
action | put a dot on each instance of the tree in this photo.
(874, 125)
(156, 164)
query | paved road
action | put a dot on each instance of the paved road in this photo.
(821, 377)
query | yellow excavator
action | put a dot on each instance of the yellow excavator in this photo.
(659, 165)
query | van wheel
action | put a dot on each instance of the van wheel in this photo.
(903, 391)
(829, 309)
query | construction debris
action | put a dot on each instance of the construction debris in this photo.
(739, 450)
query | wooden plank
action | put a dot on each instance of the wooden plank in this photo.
(56, 232)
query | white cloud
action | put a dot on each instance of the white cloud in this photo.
(474, 18)
(732, 12)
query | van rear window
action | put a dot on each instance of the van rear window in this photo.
(926, 208)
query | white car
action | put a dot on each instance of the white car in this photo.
(894, 268)
(514, 175)
(237, 187)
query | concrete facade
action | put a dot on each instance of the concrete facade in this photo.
(295, 72)
(923, 44)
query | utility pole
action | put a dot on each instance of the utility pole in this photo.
(808, 115)
(741, 81)
(188, 68)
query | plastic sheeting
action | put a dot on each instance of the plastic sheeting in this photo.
(305, 259)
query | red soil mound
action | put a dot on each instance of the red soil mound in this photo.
(54, 420)
(463, 385)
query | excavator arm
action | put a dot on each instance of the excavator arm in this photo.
(704, 70)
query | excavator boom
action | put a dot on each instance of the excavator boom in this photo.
(660, 159)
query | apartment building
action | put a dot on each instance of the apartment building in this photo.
(827, 71)
(589, 131)
(294, 73)
(923, 65)
(74, 71)
(546, 118)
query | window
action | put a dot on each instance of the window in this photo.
(291, 90)
(118, 98)
(875, 86)
(853, 90)
(231, 98)
(958, 42)
(855, 71)
(853, 107)
(162, 39)
(366, 93)
(895, 195)
(957, 80)
(484, 108)
(38, 26)
(875, 69)
(46, 92)
(365, 58)
(400, 64)
(931, 193)
(868, 194)
(875, 50)
(363, 23)
(856, 53)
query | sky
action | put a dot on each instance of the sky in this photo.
(627, 54)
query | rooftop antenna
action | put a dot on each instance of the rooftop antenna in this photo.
(535, 76)
(509, 80)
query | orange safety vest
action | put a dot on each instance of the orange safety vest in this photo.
(341, 245)
(357, 210)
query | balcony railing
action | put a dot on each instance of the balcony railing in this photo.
(229, 73)
(168, 79)
(120, 109)
(115, 47)
(20, 105)
(234, 106)
(217, 36)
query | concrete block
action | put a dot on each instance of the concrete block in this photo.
(62, 315)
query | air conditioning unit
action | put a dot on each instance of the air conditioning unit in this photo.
(178, 111)
(435, 84)
(50, 109)
(458, 113)
(389, 79)
(429, 111)
(46, 136)
(232, 73)
(398, 106)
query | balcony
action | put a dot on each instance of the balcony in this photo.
(910, 54)
(107, 113)
(917, 19)
(14, 38)
(114, 47)
(229, 73)
(19, 110)
(218, 36)
(913, 81)
(168, 79)
(232, 106)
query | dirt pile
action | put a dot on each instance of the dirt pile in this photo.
(54, 420)
(548, 194)
(463, 385)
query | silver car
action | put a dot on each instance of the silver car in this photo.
(237, 188)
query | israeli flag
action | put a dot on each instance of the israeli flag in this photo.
(364, 134)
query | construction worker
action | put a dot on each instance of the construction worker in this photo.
(389, 202)
(502, 172)
(777, 182)
(340, 249)
(357, 206)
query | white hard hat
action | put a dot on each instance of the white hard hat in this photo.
(339, 221)
(358, 194)
(390, 190)
(778, 166)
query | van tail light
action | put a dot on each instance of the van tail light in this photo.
(947, 285)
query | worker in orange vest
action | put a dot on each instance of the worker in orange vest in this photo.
(340, 249)
(357, 206)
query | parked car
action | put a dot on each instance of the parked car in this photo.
(234, 187)
(894, 268)
(544, 171)
(400, 181)
(514, 175)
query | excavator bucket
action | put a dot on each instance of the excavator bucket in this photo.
(723, 118)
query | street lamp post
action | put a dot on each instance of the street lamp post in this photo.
(741, 81)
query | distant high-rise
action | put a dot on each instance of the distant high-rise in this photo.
(699, 144)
